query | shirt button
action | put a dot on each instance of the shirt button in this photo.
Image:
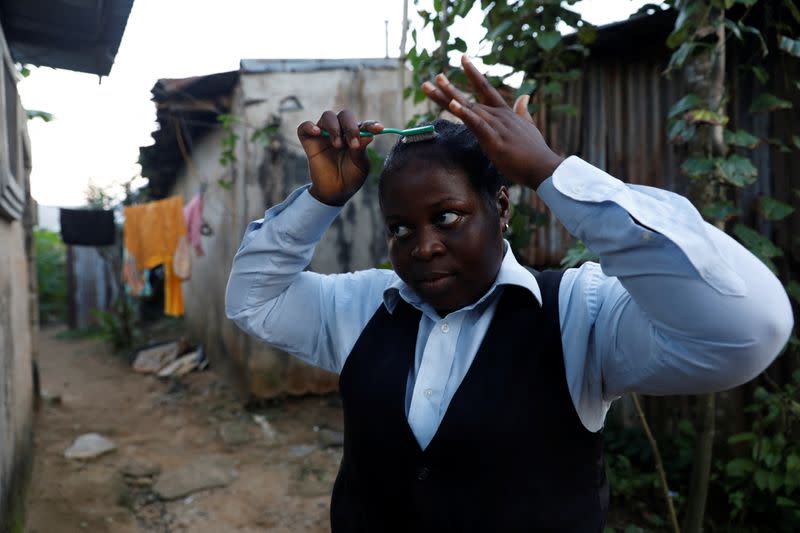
(428, 393)
(423, 473)
(445, 327)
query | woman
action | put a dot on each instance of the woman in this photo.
(474, 390)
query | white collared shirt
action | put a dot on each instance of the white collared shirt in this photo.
(677, 307)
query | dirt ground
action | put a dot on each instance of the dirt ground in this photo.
(278, 480)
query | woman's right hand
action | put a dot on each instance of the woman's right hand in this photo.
(338, 164)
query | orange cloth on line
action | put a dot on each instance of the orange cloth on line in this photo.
(152, 231)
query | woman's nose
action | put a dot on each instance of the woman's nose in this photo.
(427, 245)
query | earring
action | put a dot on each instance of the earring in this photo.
(505, 227)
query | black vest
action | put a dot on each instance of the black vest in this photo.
(510, 454)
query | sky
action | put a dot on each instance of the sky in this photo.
(100, 125)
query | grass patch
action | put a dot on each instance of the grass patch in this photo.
(91, 332)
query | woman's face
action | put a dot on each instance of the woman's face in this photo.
(444, 241)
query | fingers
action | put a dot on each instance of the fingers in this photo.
(483, 89)
(307, 129)
(329, 122)
(339, 130)
(442, 92)
(479, 120)
(521, 107)
(349, 127)
(436, 94)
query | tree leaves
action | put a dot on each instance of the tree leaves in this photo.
(548, 40)
(740, 467)
(741, 138)
(577, 255)
(760, 246)
(773, 209)
(498, 30)
(720, 211)
(757, 33)
(768, 102)
(707, 116)
(690, 101)
(527, 87)
(695, 167)
(681, 131)
(793, 289)
(792, 9)
(36, 113)
(737, 170)
(680, 55)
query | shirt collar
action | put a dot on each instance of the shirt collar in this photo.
(510, 273)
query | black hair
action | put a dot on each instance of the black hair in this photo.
(453, 147)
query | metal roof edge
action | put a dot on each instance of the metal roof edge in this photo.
(260, 66)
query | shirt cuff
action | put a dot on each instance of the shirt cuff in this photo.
(304, 223)
(661, 211)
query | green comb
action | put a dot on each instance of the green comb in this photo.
(409, 135)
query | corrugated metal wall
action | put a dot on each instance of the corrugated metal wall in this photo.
(91, 285)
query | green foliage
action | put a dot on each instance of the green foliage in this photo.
(741, 138)
(772, 209)
(524, 220)
(636, 495)
(760, 246)
(768, 102)
(229, 139)
(36, 113)
(577, 255)
(51, 276)
(737, 170)
(720, 211)
(762, 480)
(117, 326)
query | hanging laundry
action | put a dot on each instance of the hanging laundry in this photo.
(152, 231)
(193, 215)
(87, 227)
(131, 276)
(182, 260)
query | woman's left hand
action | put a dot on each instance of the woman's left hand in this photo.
(508, 137)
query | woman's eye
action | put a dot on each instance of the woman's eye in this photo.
(400, 231)
(446, 218)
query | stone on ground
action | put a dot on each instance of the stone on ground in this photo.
(207, 473)
(89, 446)
(236, 432)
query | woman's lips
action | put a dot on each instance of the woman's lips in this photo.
(434, 282)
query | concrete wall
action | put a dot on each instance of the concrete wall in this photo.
(16, 386)
(18, 313)
(265, 175)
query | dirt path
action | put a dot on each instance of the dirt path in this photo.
(276, 482)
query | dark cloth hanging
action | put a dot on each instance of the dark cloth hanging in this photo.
(87, 227)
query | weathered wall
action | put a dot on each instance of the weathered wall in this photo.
(265, 175)
(16, 386)
(18, 313)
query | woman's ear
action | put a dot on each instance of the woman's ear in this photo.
(503, 207)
